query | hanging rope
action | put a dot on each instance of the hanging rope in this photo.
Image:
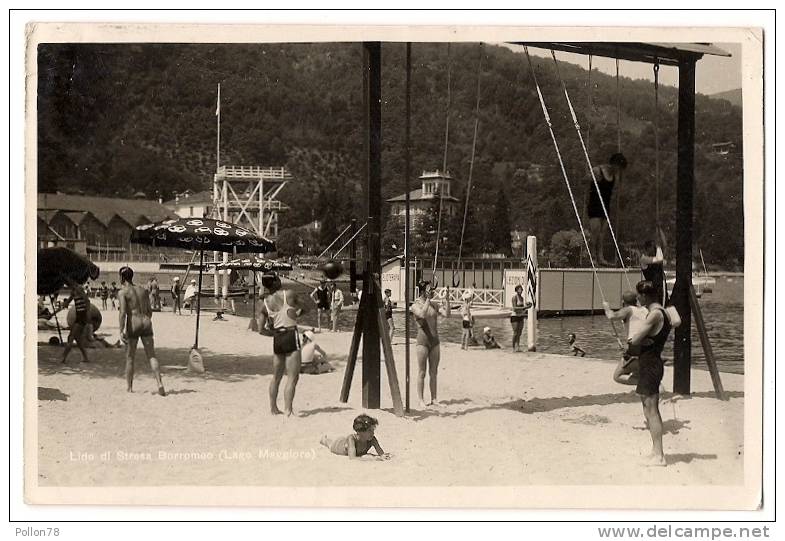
(444, 166)
(618, 109)
(569, 187)
(618, 137)
(590, 105)
(471, 167)
(657, 147)
(591, 168)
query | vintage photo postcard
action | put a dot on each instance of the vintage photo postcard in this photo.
(464, 267)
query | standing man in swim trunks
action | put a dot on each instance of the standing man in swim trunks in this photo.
(279, 313)
(104, 294)
(388, 312)
(651, 339)
(606, 176)
(426, 313)
(113, 295)
(321, 296)
(77, 333)
(136, 323)
(176, 296)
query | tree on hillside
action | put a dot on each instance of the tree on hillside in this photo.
(567, 249)
(499, 227)
(290, 242)
(295, 103)
(393, 236)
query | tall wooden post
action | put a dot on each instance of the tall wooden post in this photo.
(372, 100)
(685, 178)
(531, 292)
(353, 258)
(406, 232)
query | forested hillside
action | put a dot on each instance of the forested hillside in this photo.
(118, 119)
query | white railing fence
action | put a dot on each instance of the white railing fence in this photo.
(483, 297)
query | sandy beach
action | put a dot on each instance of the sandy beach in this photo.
(504, 419)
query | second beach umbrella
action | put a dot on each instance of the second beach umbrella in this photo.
(253, 264)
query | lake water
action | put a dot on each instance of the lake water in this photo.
(723, 311)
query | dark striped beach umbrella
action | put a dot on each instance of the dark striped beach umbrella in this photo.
(58, 267)
(201, 234)
(256, 264)
(252, 263)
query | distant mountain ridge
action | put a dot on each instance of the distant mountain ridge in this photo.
(117, 119)
(734, 96)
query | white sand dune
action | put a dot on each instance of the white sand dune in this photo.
(505, 419)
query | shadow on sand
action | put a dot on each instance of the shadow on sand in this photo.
(317, 411)
(48, 393)
(110, 363)
(688, 457)
(541, 405)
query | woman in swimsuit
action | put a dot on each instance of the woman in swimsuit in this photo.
(136, 323)
(606, 176)
(77, 332)
(519, 307)
(357, 444)
(426, 313)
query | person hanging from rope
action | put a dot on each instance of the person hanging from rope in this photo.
(651, 338)
(426, 313)
(652, 263)
(599, 203)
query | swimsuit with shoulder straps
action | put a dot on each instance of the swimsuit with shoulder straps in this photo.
(281, 318)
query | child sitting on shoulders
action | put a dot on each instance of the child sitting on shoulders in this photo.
(357, 444)
(576, 349)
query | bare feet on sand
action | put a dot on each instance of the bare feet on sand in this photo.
(276, 411)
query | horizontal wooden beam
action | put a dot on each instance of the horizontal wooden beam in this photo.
(635, 52)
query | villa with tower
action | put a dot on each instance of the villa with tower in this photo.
(433, 185)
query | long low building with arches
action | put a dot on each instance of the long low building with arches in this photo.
(98, 226)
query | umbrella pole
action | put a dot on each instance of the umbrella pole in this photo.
(54, 313)
(253, 324)
(198, 298)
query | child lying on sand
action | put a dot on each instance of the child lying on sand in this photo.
(357, 444)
